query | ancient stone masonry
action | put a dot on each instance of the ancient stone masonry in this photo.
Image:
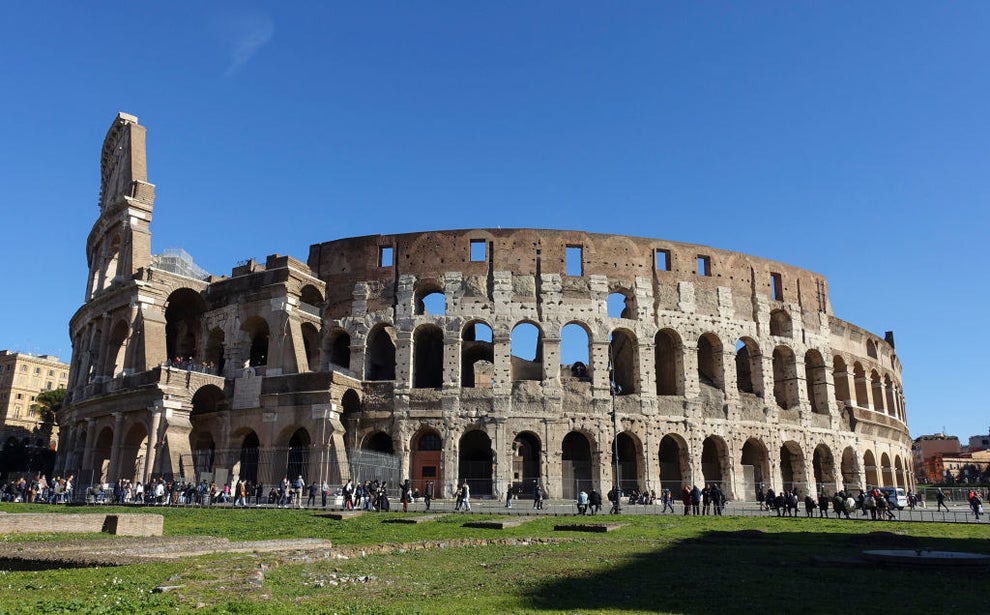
(496, 357)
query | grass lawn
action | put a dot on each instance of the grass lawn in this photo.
(652, 564)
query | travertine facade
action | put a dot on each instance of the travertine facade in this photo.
(727, 368)
(22, 377)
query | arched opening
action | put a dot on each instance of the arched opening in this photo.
(250, 448)
(475, 462)
(297, 463)
(850, 473)
(668, 352)
(871, 349)
(340, 349)
(215, 360)
(888, 388)
(755, 468)
(380, 442)
(256, 330)
(101, 455)
(132, 452)
(792, 467)
(427, 450)
(111, 270)
(311, 345)
(824, 468)
(841, 379)
(621, 304)
(204, 450)
(785, 385)
(428, 357)
(575, 353)
(714, 460)
(183, 316)
(118, 348)
(431, 302)
(887, 470)
(575, 465)
(872, 472)
(208, 398)
(350, 402)
(749, 366)
(312, 300)
(526, 456)
(859, 376)
(526, 348)
(674, 462)
(814, 373)
(877, 386)
(710, 361)
(477, 356)
(624, 354)
(780, 323)
(629, 462)
(899, 472)
(380, 354)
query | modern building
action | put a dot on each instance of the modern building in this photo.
(927, 451)
(22, 377)
(494, 356)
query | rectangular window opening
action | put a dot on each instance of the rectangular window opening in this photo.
(574, 261)
(478, 250)
(704, 265)
(663, 260)
(385, 256)
(777, 287)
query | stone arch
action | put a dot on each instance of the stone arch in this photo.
(755, 465)
(849, 468)
(527, 453)
(715, 465)
(669, 355)
(899, 472)
(710, 368)
(871, 349)
(859, 376)
(350, 403)
(207, 399)
(430, 299)
(427, 357)
(256, 330)
(792, 474)
(477, 355)
(311, 295)
(749, 366)
(297, 459)
(427, 461)
(526, 349)
(621, 303)
(474, 465)
(379, 356)
(380, 442)
(102, 452)
(887, 472)
(117, 348)
(780, 324)
(339, 348)
(785, 384)
(630, 450)
(675, 463)
(823, 466)
(214, 352)
(624, 355)
(814, 371)
(576, 470)
(183, 322)
(132, 449)
(841, 379)
(575, 352)
(248, 456)
(888, 387)
(871, 470)
(311, 345)
(111, 261)
(203, 447)
(876, 386)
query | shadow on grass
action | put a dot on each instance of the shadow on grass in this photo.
(754, 572)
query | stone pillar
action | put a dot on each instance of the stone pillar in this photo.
(153, 442)
(87, 462)
(115, 449)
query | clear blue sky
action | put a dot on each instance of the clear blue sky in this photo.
(847, 138)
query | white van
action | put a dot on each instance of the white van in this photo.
(896, 496)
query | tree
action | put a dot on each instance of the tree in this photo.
(47, 404)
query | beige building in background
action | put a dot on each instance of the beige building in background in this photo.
(22, 378)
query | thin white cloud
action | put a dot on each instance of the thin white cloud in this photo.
(249, 34)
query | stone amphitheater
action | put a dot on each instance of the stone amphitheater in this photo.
(500, 357)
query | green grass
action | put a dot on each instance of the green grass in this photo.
(668, 564)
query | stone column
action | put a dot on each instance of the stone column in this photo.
(87, 462)
(115, 448)
(153, 442)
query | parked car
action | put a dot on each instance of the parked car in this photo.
(896, 496)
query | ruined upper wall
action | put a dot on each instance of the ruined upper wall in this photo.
(429, 255)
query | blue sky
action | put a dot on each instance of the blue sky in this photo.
(845, 138)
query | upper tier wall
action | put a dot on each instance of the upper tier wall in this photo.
(428, 255)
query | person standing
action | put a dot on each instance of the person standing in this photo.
(428, 494)
(695, 500)
(508, 496)
(466, 495)
(405, 496)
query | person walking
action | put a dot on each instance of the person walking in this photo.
(466, 495)
(508, 496)
(406, 496)
(940, 500)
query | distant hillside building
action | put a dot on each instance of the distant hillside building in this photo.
(22, 377)
(927, 452)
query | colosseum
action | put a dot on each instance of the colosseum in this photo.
(494, 356)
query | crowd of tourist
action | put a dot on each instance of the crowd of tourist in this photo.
(190, 365)
(38, 489)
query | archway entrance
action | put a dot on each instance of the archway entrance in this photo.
(475, 462)
(575, 468)
(673, 461)
(824, 468)
(713, 461)
(426, 451)
(526, 451)
(755, 469)
(629, 476)
(792, 468)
